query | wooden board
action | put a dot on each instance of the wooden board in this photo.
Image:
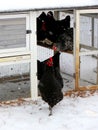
(14, 58)
(40, 43)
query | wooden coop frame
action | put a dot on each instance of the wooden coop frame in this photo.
(77, 45)
(92, 50)
(28, 54)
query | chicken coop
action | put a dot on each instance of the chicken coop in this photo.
(81, 62)
(19, 44)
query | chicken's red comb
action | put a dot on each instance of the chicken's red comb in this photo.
(50, 62)
(54, 48)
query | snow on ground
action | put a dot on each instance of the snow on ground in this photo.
(70, 114)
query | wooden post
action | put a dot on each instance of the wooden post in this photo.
(97, 59)
(33, 50)
(77, 53)
(92, 32)
(56, 15)
(76, 48)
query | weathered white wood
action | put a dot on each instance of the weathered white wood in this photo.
(15, 62)
(88, 53)
(13, 52)
(90, 48)
(27, 35)
(13, 16)
(33, 49)
(88, 11)
(15, 58)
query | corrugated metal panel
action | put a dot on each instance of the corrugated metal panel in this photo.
(12, 33)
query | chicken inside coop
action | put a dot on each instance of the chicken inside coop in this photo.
(55, 33)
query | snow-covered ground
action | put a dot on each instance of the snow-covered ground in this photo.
(72, 113)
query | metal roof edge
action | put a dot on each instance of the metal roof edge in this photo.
(51, 8)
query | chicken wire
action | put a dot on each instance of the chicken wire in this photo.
(85, 30)
(88, 70)
(88, 63)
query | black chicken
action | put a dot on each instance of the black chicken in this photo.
(64, 42)
(50, 88)
(41, 66)
(49, 28)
